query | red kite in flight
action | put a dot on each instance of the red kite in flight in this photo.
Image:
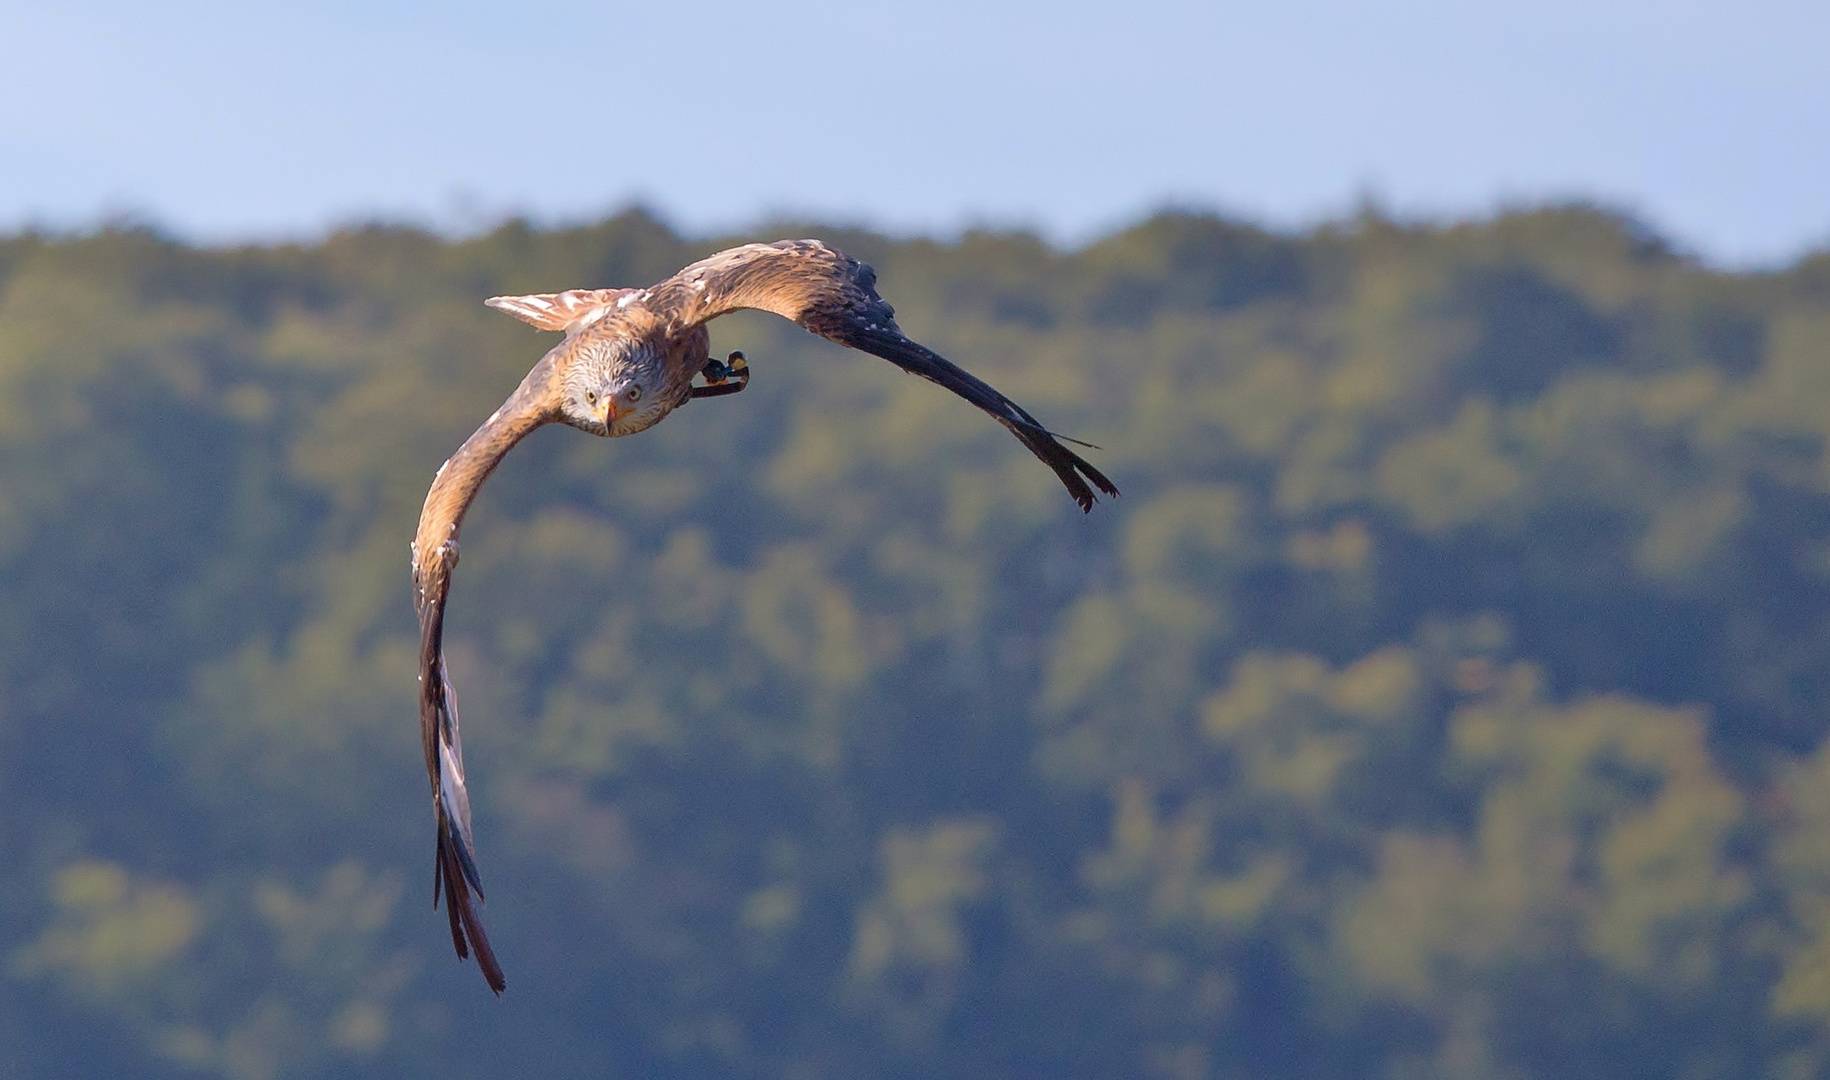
(628, 359)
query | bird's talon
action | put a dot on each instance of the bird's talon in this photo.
(723, 377)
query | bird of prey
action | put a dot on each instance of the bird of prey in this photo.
(628, 359)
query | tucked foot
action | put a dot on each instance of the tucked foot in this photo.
(723, 377)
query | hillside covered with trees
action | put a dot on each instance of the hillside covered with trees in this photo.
(1446, 697)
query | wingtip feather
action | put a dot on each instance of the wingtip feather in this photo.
(1073, 470)
(466, 925)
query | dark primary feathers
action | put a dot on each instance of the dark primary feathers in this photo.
(835, 296)
(825, 291)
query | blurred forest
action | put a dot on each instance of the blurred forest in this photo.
(1445, 698)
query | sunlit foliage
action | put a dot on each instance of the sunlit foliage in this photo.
(1445, 697)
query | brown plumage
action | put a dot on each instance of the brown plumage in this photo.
(629, 359)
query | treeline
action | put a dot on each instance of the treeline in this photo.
(1444, 698)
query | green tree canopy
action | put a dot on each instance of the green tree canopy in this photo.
(1444, 698)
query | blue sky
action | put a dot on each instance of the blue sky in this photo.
(221, 122)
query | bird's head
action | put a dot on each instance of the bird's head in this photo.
(616, 389)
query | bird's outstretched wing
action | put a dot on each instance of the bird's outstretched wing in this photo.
(435, 556)
(835, 296)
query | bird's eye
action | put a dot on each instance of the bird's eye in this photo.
(634, 393)
(590, 397)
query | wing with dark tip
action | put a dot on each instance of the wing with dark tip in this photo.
(435, 556)
(835, 296)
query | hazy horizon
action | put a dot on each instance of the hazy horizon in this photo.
(454, 231)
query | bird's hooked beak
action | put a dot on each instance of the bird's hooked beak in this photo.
(611, 412)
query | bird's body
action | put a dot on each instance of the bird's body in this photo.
(628, 359)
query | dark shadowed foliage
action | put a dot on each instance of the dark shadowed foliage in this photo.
(1445, 698)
